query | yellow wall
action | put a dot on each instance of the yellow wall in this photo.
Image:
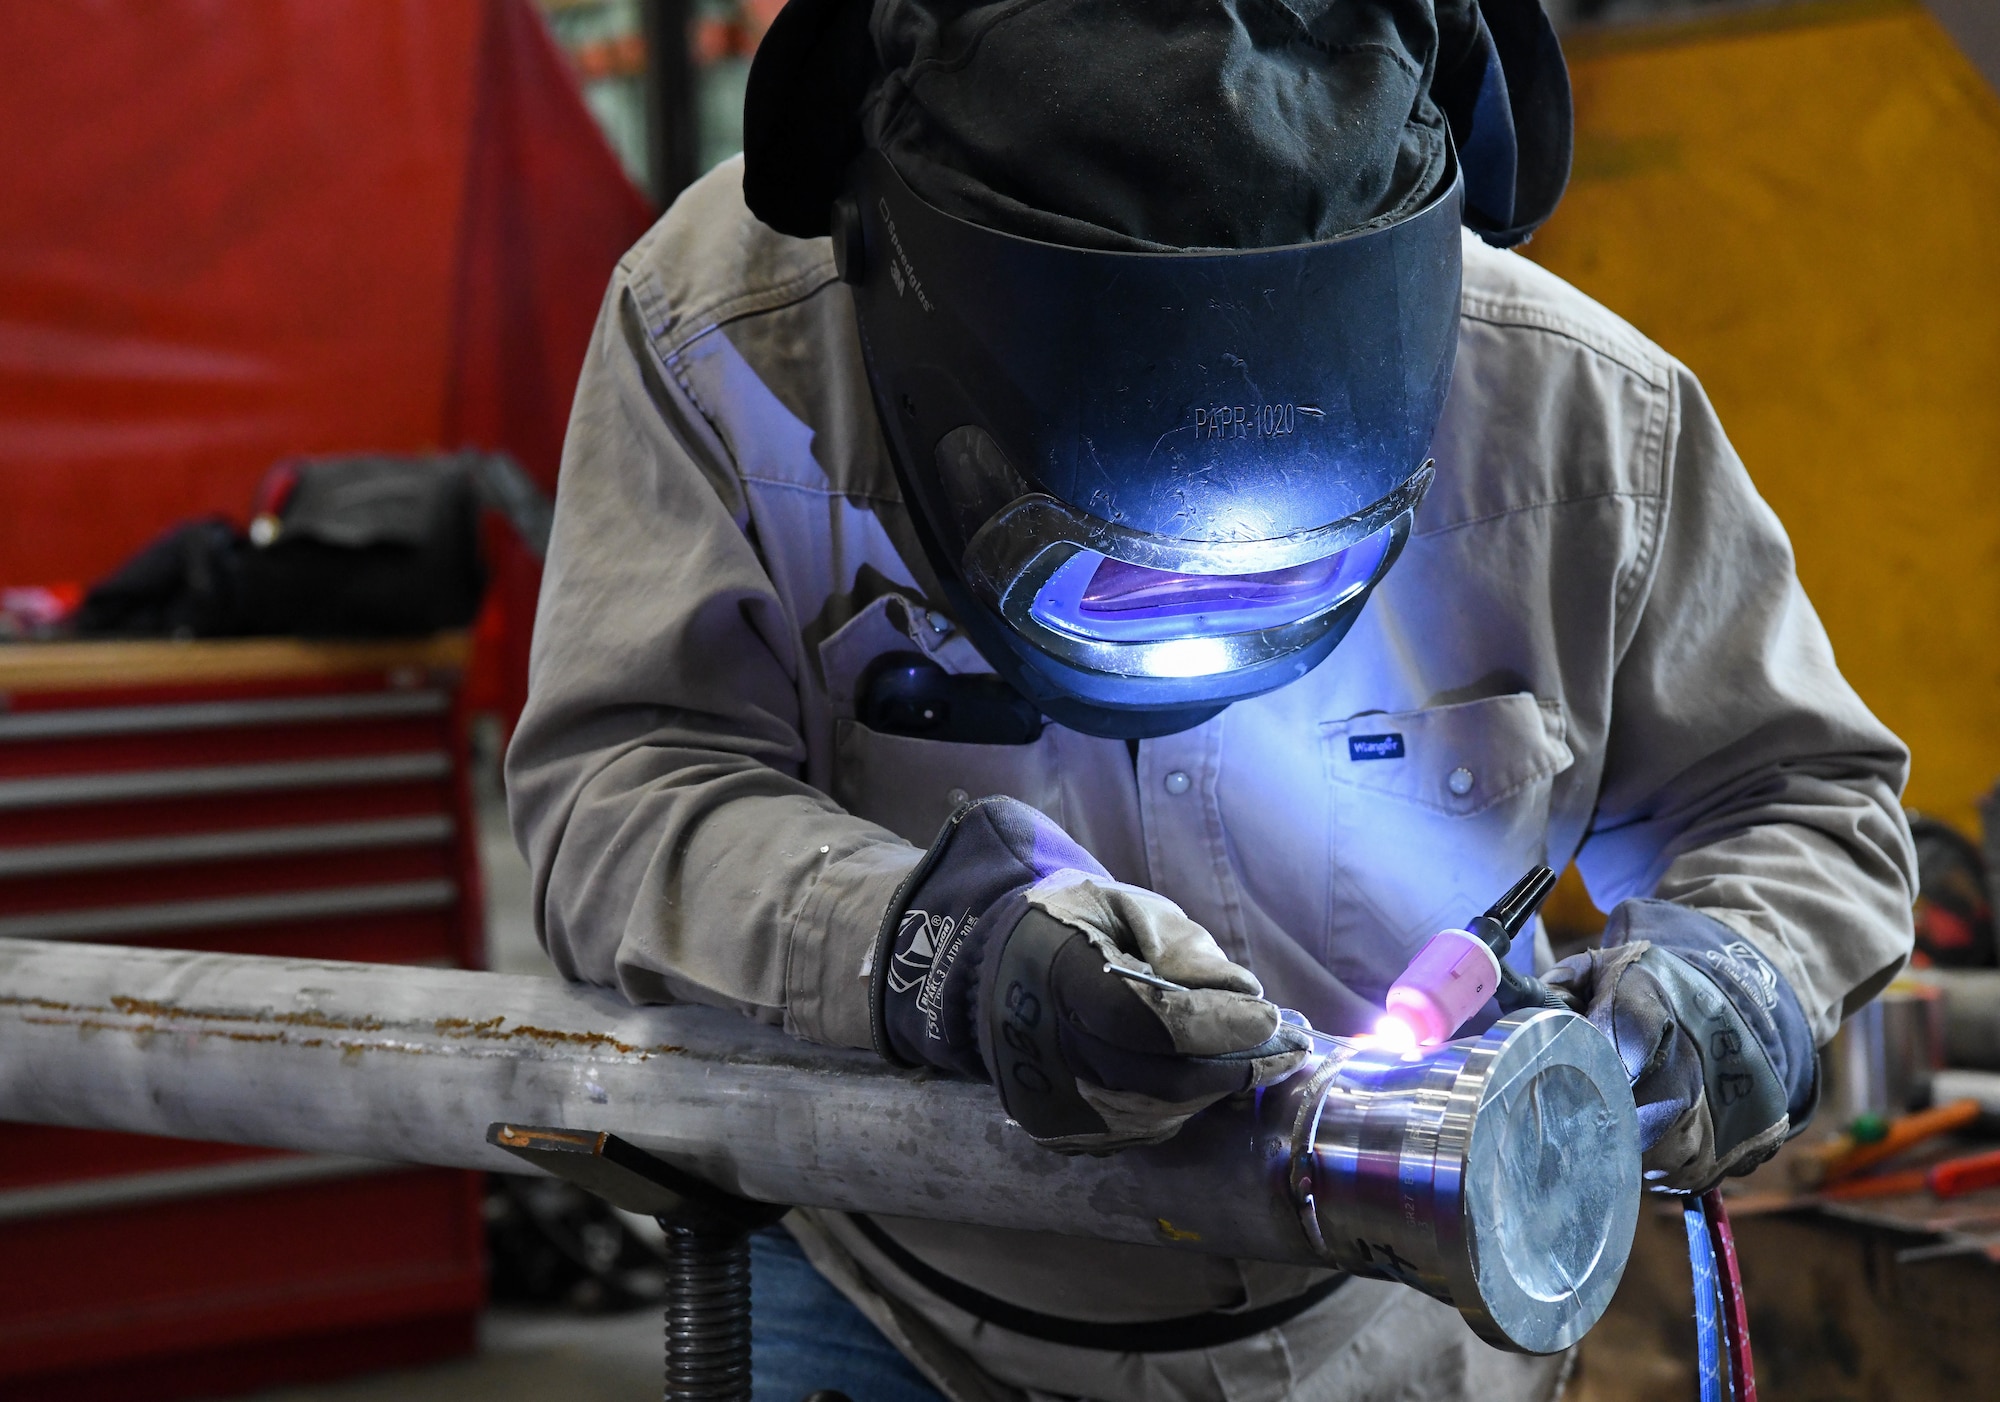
(1804, 205)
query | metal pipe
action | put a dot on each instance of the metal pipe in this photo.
(1499, 1174)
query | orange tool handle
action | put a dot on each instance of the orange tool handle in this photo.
(1906, 1131)
(1882, 1185)
(1967, 1175)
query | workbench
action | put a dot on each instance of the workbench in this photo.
(1843, 1308)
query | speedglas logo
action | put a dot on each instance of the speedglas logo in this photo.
(902, 272)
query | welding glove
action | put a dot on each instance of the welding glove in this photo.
(1713, 1037)
(991, 962)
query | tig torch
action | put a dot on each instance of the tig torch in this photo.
(1458, 970)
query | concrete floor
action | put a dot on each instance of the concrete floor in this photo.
(523, 1356)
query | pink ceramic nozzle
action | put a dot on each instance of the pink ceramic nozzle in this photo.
(1450, 979)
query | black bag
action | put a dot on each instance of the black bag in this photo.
(182, 584)
(363, 547)
(355, 547)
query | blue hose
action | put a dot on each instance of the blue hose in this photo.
(1707, 1305)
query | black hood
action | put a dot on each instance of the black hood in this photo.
(1159, 302)
(1147, 124)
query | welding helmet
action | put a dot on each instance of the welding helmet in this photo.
(1150, 481)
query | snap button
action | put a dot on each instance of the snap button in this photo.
(1460, 781)
(1177, 781)
(958, 797)
(939, 623)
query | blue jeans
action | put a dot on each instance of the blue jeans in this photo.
(806, 1336)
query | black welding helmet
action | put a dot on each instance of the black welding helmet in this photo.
(1153, 475)
(1152, 483)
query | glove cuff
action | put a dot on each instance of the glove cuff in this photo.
(884, 952)
(918, 991)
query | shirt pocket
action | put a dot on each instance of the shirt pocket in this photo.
(906, 783)
(1435, 813)
(911, 785)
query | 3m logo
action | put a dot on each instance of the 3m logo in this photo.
(1360, 747)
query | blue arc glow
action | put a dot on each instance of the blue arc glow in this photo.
(1105, 600)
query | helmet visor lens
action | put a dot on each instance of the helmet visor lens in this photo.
(1095, 597)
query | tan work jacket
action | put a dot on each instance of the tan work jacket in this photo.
(1594, 647)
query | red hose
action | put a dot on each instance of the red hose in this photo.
(1735, 1315)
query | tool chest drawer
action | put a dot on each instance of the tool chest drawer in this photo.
(259, 797)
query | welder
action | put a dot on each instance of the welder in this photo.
(1085, 538)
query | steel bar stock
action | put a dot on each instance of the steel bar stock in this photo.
(1500, 1174)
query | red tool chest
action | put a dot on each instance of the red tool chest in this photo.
(259, 796)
